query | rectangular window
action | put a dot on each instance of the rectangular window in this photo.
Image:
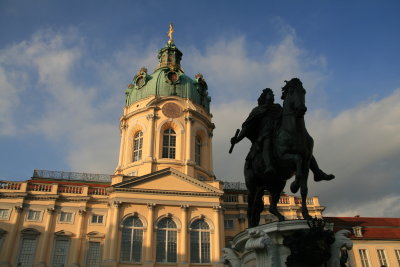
(65, 216)
(33, 215)
(228, 224)
(230, 198)
(60, 253)
(4, 214)
(27, 252)
(397, 251)
(97, 219)
(93, 255)
(364, 257)
(382, 257)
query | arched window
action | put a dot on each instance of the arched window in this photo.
(132, 239)
(169, 143)
(27, 250)
(166, 250)
(137, 146)
(197, 150)
(199, 242)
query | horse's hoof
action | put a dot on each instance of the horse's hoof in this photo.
(294, 187)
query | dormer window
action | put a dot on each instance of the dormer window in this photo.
(357, 230)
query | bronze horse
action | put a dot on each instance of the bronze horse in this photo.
(292, 148)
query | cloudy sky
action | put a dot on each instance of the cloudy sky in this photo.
(64, 66)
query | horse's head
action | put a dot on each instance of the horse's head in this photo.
(293, 95)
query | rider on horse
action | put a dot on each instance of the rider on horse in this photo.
(260, 127)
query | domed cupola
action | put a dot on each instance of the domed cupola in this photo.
(168, 79)
(166, 122)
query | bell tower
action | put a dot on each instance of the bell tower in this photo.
(166, 121)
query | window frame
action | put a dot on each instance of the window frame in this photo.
(36, 218)
(364, 257)
(5, 216)
(137, 151)
(170, 242)
(66, 255)
(96, 222)
(382, 257)
(229, 226)
(62, 219)
(201, 235)
(197, 150)
(169, 139)
(134, 231)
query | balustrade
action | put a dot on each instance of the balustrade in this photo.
(10, 185)
(100, 191)
(39, 187)
(70, 189)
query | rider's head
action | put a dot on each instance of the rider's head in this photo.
(266, 97)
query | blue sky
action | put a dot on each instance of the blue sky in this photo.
(64, 66)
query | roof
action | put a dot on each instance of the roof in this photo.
(371, 227)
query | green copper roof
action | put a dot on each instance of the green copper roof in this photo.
(168, 79)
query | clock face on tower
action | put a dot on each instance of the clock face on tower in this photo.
(171, 110)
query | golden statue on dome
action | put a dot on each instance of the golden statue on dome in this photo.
(171, 30)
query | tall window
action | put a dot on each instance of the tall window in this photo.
(397, 251)
(137, 146)
(28, 247)
(197, 150)
(382, 257)
(364, 258)
(169, 143)
(199, 242)
(93, 257)
(132, 239)
(60, 252)
(166, 250)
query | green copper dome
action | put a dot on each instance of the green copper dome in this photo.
(168, 79)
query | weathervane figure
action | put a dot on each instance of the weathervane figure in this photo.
(171, 30)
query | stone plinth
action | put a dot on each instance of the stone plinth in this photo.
(263, 246)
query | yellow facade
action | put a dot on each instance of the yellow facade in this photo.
(162, 206)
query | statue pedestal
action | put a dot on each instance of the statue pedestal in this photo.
(263, 246)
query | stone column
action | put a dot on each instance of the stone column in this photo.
(217, 236)
(148, 245)
(184, 236)
(152, 118)
(210, 153)
(76, 242)
(45, 247)
(9, 246)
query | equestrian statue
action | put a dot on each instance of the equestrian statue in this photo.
(281, 147)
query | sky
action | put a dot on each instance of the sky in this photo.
(64, 66)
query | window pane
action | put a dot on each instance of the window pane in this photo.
(4, 213)
(132, 240)
(27, 252)
(126, 244)
(60, 253)
(93, 255)
(160, 250)
(194, 247)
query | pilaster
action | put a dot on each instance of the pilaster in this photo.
(44, 243)
(217, 236)
(184, 236)
(76, 243)
(9, 244)
(148, 246)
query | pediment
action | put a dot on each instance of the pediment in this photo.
(168, 180)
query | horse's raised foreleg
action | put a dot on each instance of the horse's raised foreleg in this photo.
(275, 196)
(295, 185)
(304, 194)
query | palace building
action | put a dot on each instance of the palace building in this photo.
(162, 206)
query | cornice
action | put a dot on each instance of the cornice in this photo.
(13, 195)
(168, 192)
